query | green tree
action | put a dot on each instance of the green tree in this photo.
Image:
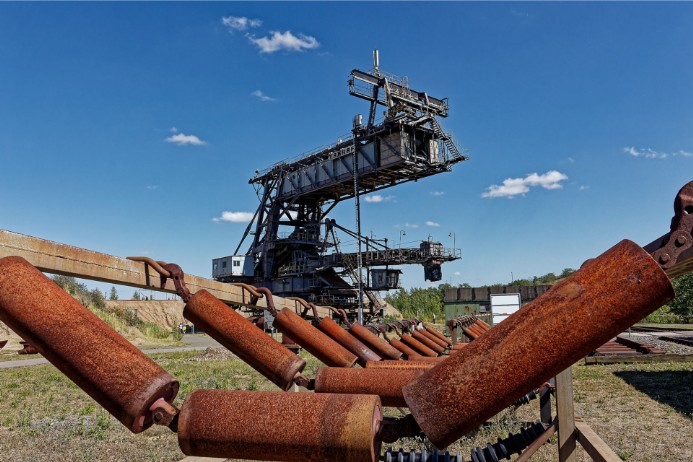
(682, 305)
(114, 294)
(136, 295)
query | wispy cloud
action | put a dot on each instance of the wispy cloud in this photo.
(411, 225)
(584, 187)
(181, 139)
(457, 273)
(152, 187)
(240, 23)
(571, 160)
(433, 224)
(512, 187)
(375, 198)
(234, 217)
(437, 193)
(284, 41)
(262, 97)
(648, 153)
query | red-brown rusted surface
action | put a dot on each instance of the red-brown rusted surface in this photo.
(433, 338)
(262, 425)
(259, 350)
(471, 333)
(483, 324)
(348, 341)
(573, 318)
(375, 343)
(417, 346)
(428, 359)
(427, 341)
(439, 335)
(394, 364)
(459, 346)
(318, 344)
(83, 347)
(27, 349)
(401, 346)
(386, 383)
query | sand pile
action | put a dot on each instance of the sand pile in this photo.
(164, 313)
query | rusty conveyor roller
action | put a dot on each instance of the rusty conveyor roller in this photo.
(417, 346)
(401, 346)
(291, 427)
(430, 344)
(83, 347)
(393, 364)
(607, 295)
(348, 341)
(439, 335)
(428, 359)
(434, 339)
(260, 351)
(375, 343)
(317, 343)
(385, 383)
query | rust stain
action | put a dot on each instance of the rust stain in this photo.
(385, 383)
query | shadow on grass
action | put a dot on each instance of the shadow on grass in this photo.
(672, 388)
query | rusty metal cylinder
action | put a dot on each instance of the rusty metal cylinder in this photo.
(483, 324)
(427, 341)
(589, 307)
(318, 344)
(478, 329)
(291, 427)
(425, 332)
(107, 367)
(471, 332)
(393, 364)
(417, 346)
(428, 359)
(439, 335)
(348, 341)
(259, 350)
(458, 346)
(385, 383)
(401, 346)
(375, 343)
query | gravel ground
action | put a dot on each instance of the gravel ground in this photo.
(669, 347)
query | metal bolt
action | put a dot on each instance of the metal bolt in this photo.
(681, 240)
(664, 258)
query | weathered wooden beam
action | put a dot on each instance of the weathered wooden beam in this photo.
(597, 449)
(56, 258)
(566, 417)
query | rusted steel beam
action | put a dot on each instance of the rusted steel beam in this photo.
(83, 347)
(375, 343)
(385, 383)
(55, 258)
(348, 341)
(591, 306)
(317, 343)
(245, 340)
(314, 427)
(425, 332)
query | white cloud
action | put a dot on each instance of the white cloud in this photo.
(240, 22)
(457, 273)
(437, 193)
(284, 41)
(181, 139)
(571, 160)
(513, 186)
(584, 187)
(173, 130)
(262, 97)
(411, 225)
(378, 198)
(646, 153)
(152, 187)
(234, 217)
(433, 224)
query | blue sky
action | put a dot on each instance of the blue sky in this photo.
(129, 128)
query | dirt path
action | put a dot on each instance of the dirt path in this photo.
(194, 342)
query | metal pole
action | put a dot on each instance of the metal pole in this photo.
(359, 262)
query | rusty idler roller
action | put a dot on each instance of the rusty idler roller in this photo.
(348, 341)
(609, 294)
(252, 345)
(381, 347)
(401, 346)
(83, 347)
(392, 364)
(439, 335)
(262, 425)
(318, 344)
(385, 383)
(421, 337)
(417, 346)
(425, 332)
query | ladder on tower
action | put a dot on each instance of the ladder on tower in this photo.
(351, 271)
(447, 140)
